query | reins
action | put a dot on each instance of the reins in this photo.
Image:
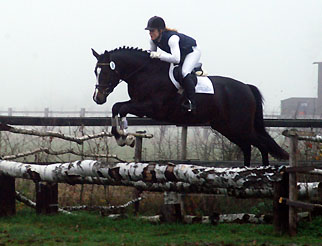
(114, 69)
(131, 74)
(137, 70)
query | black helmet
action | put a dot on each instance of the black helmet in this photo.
(155, 22)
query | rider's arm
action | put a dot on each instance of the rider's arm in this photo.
(174, 57)
(153, 47)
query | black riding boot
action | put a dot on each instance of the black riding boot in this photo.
(189, 82)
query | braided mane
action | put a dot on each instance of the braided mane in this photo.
(130, 49)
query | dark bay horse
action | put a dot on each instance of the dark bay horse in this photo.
(235, 110)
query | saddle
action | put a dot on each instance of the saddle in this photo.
(204, 84)
(197, 71)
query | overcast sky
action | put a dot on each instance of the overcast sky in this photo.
(46, 61)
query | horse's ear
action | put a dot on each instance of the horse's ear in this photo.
(95, 54)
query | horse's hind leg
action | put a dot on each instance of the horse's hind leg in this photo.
(256, 140)
(259, 143)
(264, 154)
(247, 150)
(245, 147)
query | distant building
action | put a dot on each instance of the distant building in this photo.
(304, 107)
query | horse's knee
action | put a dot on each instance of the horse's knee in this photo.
(116, 109)
(123, 111)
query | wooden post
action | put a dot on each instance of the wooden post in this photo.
(46, 198)
(7, 196)
(184, 134)
(138, 158)
(184, 137)
(81, 129)
(138, 147)
(46, 112)
(280, 210)
(293, 186)
(10, 111)
(171, 210)
(82, 112)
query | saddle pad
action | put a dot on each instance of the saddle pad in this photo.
(204, 84)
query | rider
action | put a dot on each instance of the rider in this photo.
(179, 49)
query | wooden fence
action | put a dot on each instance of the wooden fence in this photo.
(271, 181)
(290, 195)
(136, 121)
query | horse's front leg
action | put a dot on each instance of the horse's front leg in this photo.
(119, 128)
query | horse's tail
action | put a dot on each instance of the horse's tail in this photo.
(273, 148)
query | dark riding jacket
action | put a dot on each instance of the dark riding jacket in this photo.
(186, 43)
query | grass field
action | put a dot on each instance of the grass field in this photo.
(27, 228)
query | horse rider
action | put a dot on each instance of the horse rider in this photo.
(179, 49)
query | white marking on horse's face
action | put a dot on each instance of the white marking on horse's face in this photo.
(95, 94)
(98, 71)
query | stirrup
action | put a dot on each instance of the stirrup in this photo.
(189, 106)
(199, 71)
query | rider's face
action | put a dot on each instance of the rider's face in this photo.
(154, 34)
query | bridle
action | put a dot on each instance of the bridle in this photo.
(104, 88)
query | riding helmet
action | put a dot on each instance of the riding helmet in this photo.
(155, 22)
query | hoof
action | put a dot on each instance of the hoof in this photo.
(121, 142)
(130, 141)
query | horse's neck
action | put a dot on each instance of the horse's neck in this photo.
(139, 71)
(131, 63)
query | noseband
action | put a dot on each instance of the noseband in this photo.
(103, 89)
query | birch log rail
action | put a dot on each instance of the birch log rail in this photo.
(237, 182)
(90, 171)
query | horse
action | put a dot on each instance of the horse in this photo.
(235, 109)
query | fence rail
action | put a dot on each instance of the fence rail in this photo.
(46, 112)
(136, 121)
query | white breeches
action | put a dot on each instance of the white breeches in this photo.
(190, 61)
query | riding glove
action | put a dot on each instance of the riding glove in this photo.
(155, 54)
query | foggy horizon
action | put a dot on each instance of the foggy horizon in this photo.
(46, 59)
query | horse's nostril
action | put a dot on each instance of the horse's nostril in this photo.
(98, 98)
(94, 97)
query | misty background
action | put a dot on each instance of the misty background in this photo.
(46, 59)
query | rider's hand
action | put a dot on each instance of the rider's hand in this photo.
(155, 54)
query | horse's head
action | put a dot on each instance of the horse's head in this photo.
(107, 77)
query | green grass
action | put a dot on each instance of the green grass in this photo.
(27, 228)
